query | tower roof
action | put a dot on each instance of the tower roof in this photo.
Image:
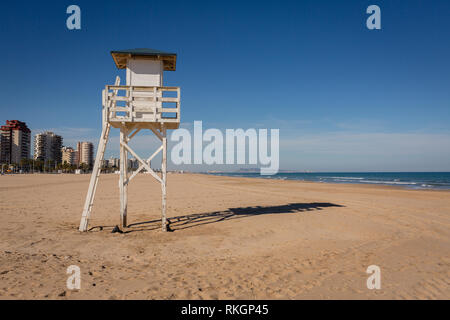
(121, 57)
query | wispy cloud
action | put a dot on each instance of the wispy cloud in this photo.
(394, 144)
(368, 151)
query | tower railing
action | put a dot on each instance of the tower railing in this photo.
(142, 104)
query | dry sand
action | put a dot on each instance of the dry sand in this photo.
(235, 238)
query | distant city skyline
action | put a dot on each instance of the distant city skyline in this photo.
(17, 143)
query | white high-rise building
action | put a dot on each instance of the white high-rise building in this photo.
(85, 153)
(47, 147)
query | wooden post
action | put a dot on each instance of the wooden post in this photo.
(164, 178)
(125, 183)
(123, 176)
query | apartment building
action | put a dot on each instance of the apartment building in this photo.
(47, 147)
(15, 142)
(69, 155)
(85, 153)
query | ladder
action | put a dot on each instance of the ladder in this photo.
(106, 127)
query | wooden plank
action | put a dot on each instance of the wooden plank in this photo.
(150, 108)
(118, 98)
(134, 133)
(151, 123)
(119, 109)
(157, 133)
(148, 99)
(169, 99)
(141, 88)
(173, 110)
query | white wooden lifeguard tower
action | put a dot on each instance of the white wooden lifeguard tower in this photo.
(143, 103)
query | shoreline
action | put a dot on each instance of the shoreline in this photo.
(264, 178)
(369, 185)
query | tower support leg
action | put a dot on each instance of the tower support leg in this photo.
(123, 177)
(164, 179)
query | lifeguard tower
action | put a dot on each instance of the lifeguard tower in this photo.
(143, 103)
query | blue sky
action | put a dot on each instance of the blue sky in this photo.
(345, 98)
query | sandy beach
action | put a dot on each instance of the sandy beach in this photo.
(234, 238)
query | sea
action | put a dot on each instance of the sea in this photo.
(410, 180)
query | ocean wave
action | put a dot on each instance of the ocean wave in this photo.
(407, 180)
(347, 178)
(389, 182)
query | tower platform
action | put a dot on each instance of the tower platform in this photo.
(142, 107)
